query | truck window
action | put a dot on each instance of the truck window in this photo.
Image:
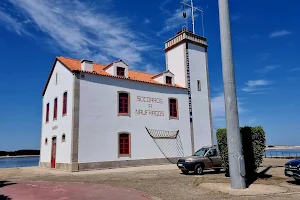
(213, 152)
(201, 152)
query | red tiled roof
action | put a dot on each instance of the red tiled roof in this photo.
(98, 69)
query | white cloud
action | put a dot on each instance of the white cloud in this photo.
(218, 106)
(280, 33)
(175, 20)
(14, 24)
(149, 68)
(246, 39)
(147, 21)
(236, 17)
(256, 85)
(292, 78)
(295, 69)
(267, 69)
(249, 122)
(162, 6)
(264, 56)
(218, 110)
(80, 29)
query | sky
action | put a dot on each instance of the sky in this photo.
(265, 49)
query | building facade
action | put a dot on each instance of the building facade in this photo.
(100, 116)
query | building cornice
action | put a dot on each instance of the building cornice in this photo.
(183, 37)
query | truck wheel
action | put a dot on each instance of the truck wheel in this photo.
(199, 169)
(184, 171)
(227, 173)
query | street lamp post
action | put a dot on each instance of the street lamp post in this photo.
(235, 156)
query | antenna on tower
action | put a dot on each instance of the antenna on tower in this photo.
(192, 11)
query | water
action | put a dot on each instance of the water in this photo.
(19, 162)
(283, 152)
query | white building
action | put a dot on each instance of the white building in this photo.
(99, 116)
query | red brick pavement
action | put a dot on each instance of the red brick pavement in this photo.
(66, 191)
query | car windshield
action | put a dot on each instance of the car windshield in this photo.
(200, 152)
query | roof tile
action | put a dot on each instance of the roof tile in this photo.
(98, 69)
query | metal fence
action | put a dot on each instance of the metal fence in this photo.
(282, 154)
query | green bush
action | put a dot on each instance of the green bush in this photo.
(253, 143)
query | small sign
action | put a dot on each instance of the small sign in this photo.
(54, 127)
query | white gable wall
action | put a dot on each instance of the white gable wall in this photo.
(170, 75)
(160, 79)
(100, 124)
(121, 64)
(63, 124)
(111, 70)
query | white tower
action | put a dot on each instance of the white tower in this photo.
(186, 58)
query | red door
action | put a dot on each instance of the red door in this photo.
(53, 153)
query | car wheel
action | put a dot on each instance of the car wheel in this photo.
(199, 169)
(184, 171)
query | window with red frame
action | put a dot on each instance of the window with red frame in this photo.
(120, 71)
(124, 144)
(123, 103)
(65, 100)
(173, 108)
(55, 109)
(47, 112)
(168, 80)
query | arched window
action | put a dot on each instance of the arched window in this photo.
(124, 145)
(124, 104)
(63, 138)
(65, 101)
(46, 141)
(55, 109)
(173, 107)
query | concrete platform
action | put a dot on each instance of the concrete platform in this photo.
(67, 191)
(253, 190)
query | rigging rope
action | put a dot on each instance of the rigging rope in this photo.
(168, 142)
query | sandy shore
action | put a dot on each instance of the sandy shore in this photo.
(19, 156)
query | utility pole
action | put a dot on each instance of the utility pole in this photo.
(235, 156)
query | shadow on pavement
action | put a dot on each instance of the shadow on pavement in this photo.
(3, 197)
(294, 182)
(260, 175)
(5, 183)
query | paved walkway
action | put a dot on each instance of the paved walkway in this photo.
(66, 191)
